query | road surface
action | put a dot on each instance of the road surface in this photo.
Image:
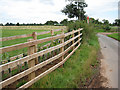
(109, 63)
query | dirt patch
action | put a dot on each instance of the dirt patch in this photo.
(99, 81)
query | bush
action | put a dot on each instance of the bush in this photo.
(88, 29)
(74, 25)
(107, 27)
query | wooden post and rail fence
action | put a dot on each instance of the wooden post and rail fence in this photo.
(33, 54)
(33, 35)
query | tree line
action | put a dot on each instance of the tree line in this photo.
(65, 22)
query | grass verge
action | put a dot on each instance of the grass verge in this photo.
(115, 36)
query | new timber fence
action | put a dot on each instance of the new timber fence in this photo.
(25, 36)
(69, 42)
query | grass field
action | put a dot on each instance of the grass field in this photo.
(8, 31)
(113, 29)
(115, 36)
(19, 30)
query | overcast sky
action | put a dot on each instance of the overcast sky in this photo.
(40, 11)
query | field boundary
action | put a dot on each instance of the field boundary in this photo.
(33, 54)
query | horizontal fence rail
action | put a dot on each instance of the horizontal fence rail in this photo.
(21, 55)
(31, 58)
(25, 35)
(27, 44)
(47, 72)
(27, 58)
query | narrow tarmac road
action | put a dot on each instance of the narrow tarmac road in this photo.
(109, 63)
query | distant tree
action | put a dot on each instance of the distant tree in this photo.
(75, 9)
(71, 21)
(17, 24)
(9, 24)
(51, 22)
(1, 24)
(40, 24)
(64, 22)
(105, 21)
(55, 22)
(97, 21)
(110, 24)
(117, 22)
(107, 27)
(92, 20)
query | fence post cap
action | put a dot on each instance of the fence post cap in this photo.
(34, 33)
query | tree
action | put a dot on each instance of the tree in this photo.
(1, 24)
(92, 20)
(64, 22)
(17, 24)
(97, 21)
(55, 22)
(51, 22)
(107, 27)
(75, 9)
(9, 24)
(117, 22)
(105, 21)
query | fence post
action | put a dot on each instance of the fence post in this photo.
(73, 35)
(31, 63)
(52, 32)
(35, 50)
(62, 48)
(79, 37)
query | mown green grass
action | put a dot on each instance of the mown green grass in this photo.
(14, 30)
(100, 30)
(115, 36)
(75, 70)
(114, 27)
(8, 31)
